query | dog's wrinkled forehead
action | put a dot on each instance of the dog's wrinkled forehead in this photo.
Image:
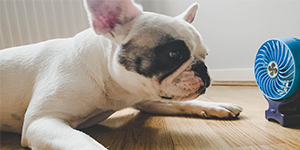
(154, 51)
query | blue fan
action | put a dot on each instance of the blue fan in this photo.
(277, 74)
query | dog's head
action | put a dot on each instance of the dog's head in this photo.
(158, 56)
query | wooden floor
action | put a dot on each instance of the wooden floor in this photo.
(132, 130)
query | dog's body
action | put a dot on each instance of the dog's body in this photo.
(136, 59)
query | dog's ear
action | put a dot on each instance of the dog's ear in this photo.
(189, 14)
(106, 16)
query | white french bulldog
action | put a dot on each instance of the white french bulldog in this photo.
(129, 58)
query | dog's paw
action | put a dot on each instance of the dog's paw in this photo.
(219, 110)
(222, 110)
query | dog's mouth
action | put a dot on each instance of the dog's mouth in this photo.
(182, 84)
(188, 97)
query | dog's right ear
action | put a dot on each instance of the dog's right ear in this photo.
(189, 14)
(106, 16)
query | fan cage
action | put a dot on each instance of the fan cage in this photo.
(277, 67)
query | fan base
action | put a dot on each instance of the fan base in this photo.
(286, 111)
(283, 119)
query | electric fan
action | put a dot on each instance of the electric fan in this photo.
(277, 74)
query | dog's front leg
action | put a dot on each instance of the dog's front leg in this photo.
(192, 107)
(53, 133)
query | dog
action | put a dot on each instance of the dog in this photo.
(128, 58)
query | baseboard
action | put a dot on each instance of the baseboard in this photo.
(235, 77)
(234, 83)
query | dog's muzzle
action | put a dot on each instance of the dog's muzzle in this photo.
(188, 82)
(200, 70)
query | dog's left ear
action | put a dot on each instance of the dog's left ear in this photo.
(189, 14)
(110, 17)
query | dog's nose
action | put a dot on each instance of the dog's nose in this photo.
(201, 90)
(200, 70)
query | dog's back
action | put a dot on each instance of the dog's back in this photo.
(18, 72)
(26, 68)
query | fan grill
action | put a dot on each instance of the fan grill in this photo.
(275, 69)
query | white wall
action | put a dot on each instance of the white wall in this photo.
(233, 30)
(30, 21)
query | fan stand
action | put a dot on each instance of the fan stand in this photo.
(286, 111)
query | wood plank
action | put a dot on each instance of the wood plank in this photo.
(129, 129)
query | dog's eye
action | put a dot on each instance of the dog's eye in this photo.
(176, 55)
